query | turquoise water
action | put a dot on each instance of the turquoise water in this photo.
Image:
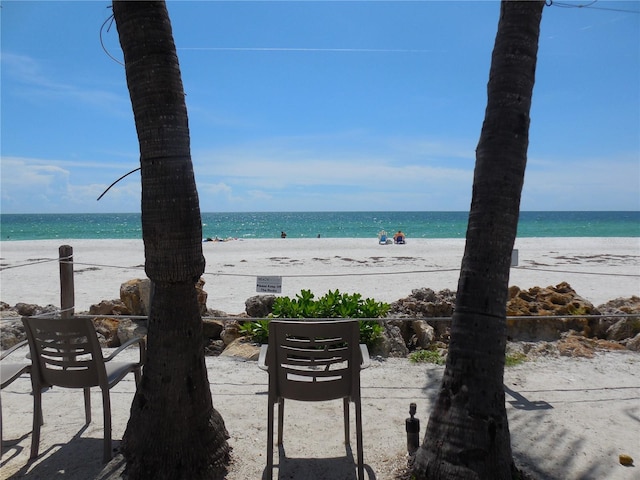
(312, 224)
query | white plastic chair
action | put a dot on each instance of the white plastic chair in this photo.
(314, 361)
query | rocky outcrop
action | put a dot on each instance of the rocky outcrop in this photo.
(241, 348)
(391, 343)
(259, 306)
(107, 329)
(573, 345)
(407, 327)
(12, 332)
(135, 294)
(129, 329)
(425, 302)
(109, 307)
(559, 301)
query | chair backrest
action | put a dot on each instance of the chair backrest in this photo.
(65, 352)
(314, 360)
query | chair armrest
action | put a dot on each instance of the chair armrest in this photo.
(13, 349)
(262, 359)
(141, 344)
(364, 352)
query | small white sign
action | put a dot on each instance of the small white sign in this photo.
(269, 284)
(514, 257)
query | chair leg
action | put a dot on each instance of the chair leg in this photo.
(347, 431)
(280, 419)
(270, 439)
(359, 439)
(137, 375)
(37, 421)
(106, 408)
(87, 405)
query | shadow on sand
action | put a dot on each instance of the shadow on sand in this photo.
(335, 468)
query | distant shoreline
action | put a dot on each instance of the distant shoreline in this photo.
(252, 225)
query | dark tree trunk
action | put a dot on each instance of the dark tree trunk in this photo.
(173, 432)
(467, 436)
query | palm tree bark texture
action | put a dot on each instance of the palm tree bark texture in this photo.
(467, 436)
(173, 431)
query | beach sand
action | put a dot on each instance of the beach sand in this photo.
(569, 418)
(598, 269)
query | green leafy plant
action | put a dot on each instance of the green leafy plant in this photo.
(257, 330)
(335, 304)
(370, 331)
(427, 356)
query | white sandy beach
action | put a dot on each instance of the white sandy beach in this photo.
(569, 418)
(599, 269)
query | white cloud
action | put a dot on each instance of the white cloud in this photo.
(36, 84)
(41, 186)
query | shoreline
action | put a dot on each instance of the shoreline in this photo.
(599, 269)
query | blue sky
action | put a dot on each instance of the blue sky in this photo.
(320, 106)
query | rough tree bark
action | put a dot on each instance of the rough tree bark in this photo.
(467, 436)
(173, 432)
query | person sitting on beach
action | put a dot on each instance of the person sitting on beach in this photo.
(283, 234)
(399, 237)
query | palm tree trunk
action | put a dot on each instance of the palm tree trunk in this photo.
(173, 432)
(467, 436)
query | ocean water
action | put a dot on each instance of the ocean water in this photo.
(312, 224)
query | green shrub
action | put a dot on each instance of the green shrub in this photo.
(427, 356)
(332, 305)
(257, 330)
(515, 358)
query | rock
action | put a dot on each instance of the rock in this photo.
(259, 306)
(424, 302)
(404, 325)
(624, 328)
(550, 301)
(634, 344)
(30, 310)
(211, 329)
(230, 332)
(202, 296)
(216, 313)
(109, 307)
(128, 329)
(240, 348)
(573, 345)
(214, 348)
(12, 332)
(425, 333)
(625, 459)
(136, 295)
(622, 305)
(618, 306)
(107, 330)
(391, 344)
